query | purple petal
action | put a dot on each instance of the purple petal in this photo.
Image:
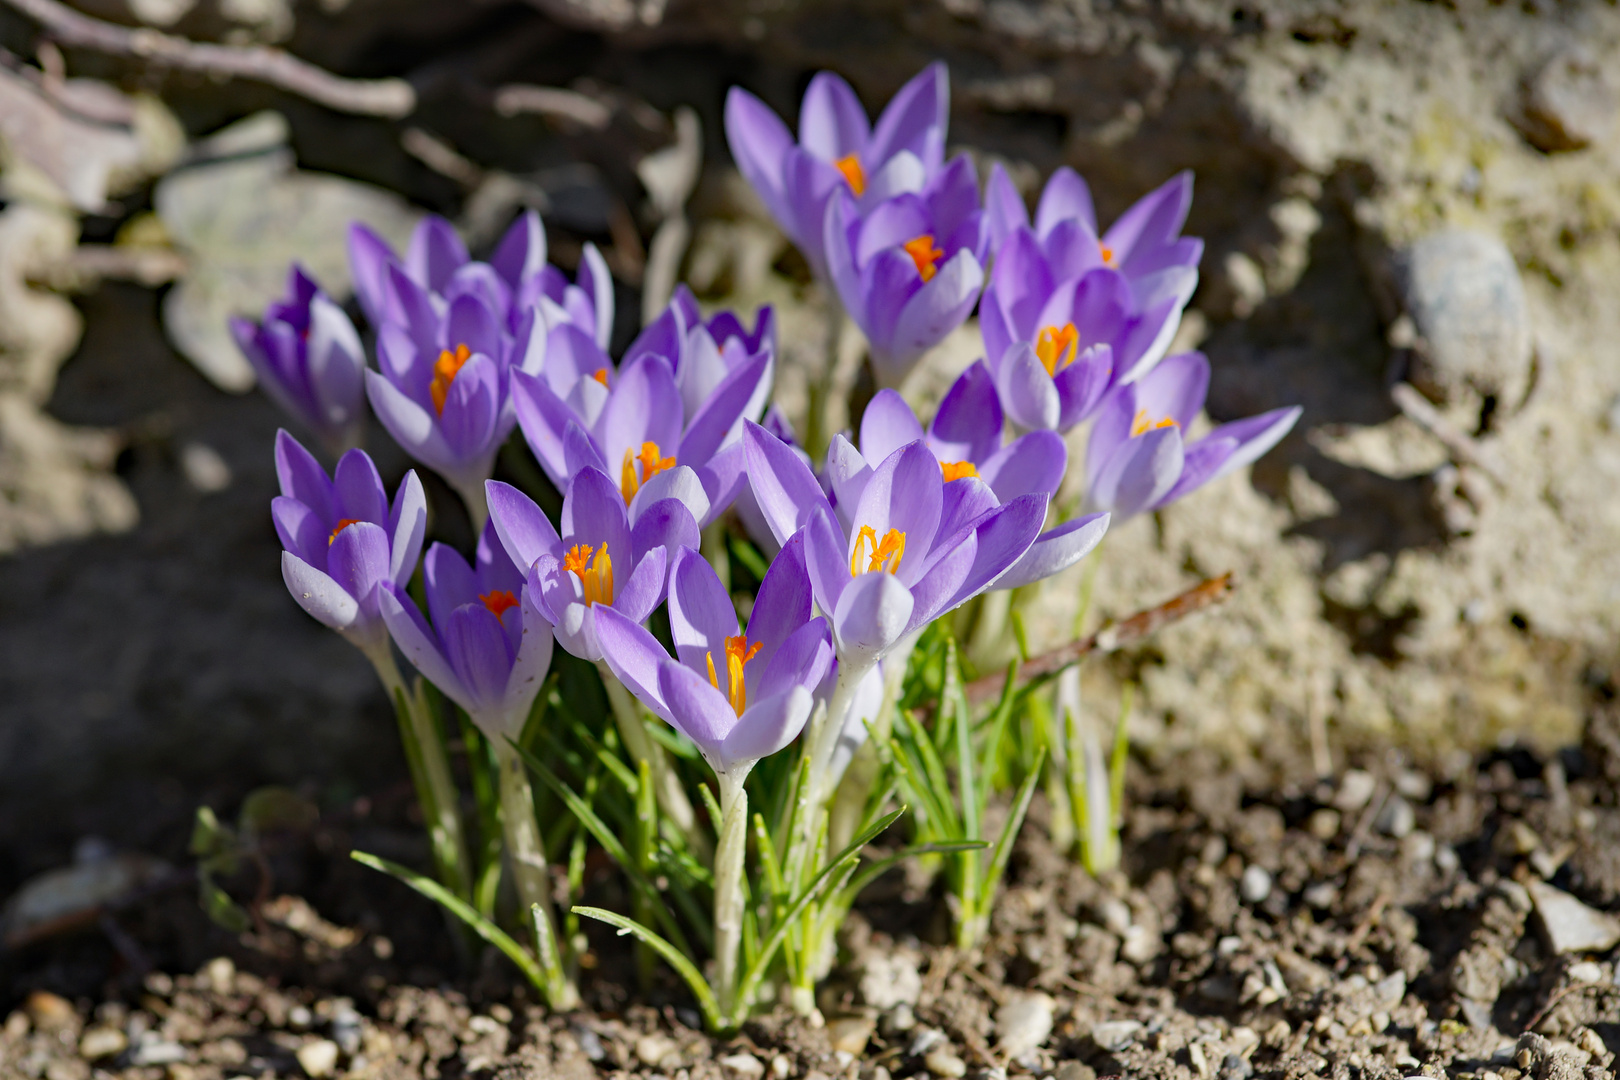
(493, 566)
(786, 490)
(302, 477)
(1138, 474)
(939, 306)
(1082, 385)
(411, 425)
(597, 282)
(544, 418)
(720, 414)
(644, 407)
(832, 122)
(968, 425)
(724, 478)
(701, 615)
(905, 493)
(935, 589)
(315, 592)
(336, 361)
(581, 452)
(886, 426)
(634, 656)
(1004, 207)
(826, 559)
(1066, 197)
(1203, 461)
(783, 603)
(301, 530)
(1255, 435)
(593, 513)
(358, 488)
(1175, 389)
(802, 659)
(847, 473)
(1055, 551)
(358, 562)
(758, 140)
(1003, 536)
(766, 727)
(476, 645)
(409, 305)
(369, 258)
(872, 613)
(680, 483)
(666, 524)
(449, 582)
(840, 253)
(471, 323)
(420, 644)
(521, 254)
(1030, 463)
(1154, 221)
(1026, 389)
(966, 500)
(915, 119)
(472, 409)
(407, 527)
(644, 590)
(995, 328)
(524, 530)
(700, 712)
(435, 252)
(530, 664)
(663, 337)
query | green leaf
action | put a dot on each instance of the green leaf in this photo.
(479, 925)
(997, 729)
(1015, 820)
(209, 839)
(219, 907)
(1116, 762)
(672, 956)
(875, 870)
(749, 556)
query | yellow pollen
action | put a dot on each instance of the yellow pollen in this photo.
(600, 375)
(341, 525)
(850, 166)
(955, 470)
(498, 601)
(884, 556)
(445, 370)
(925, 255)
(1056, 347)
(1106, 252)
(652, 463)
(595, 575)
(1142, 423)
(738, 653)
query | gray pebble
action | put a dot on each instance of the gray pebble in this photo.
(1463, 293)
(1396, 819)
(1235, 1067)
(1112, 1035)
(1568, 103)
(1255, 885)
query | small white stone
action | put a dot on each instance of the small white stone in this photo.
(1587, 971)
(1024, 1023)
(102, 1042)
(944, 1062)
(743, 1065)
(204, 470)
(318, 1058)
(1355, 790)
(1570, 926)
(1255, 885)
(1112, 1035)
(654, 1048)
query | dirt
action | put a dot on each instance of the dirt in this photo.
(1377, 924)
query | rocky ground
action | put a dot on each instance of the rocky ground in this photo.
(1391, 922)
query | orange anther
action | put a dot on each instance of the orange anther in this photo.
(341, 525)
(1141, 423)
(1056, 347)
(955, 470)
(595, 575)
(652, 463)
(1106, 252)
(600, 375)
(884, 555)
(498, 601)
(738, 653)
(925, 255)
(850, 166)
(445, 370)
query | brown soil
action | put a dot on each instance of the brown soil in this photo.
(1379, 925)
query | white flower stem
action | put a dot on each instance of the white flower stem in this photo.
(672, 799)
(728, 888)
(430, 770)
(529, 870)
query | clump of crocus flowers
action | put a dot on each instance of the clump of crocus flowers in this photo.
(802, 601)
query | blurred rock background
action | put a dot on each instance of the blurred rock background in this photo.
(1413, 221)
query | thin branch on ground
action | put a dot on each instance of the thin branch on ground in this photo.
(372, 97)
(1111, 637)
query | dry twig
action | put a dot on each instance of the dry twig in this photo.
(371, 97)
(1114, 636)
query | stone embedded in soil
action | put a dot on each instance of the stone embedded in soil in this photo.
(890, 979)
(318, 1057)
(1023, 1024)
(744, 1065)
(1568, 103)
(1255, 884)
(102, 1042)
(944, 1061)
(653, 1049)
(49, 1012)
(1356, 788)
(1569, 925)
(1396, 819)
(1114, 1035)
(851, 1033)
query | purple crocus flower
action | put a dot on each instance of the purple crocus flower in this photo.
(517, 277)
(488, 647)
(309, 360)
(739, 697)
(909, 271)
(344, 543)
(444, 389)
(837, 150)
(1067, 318)
(628, 425)
(912, 548)
(1145, 241)
(965, 437)
(598, 561)
(1138, 459)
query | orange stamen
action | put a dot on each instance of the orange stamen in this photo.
(652, 463)
(1142, 423)
(925, 255)
(595, 575)
(955, 470)
(498, 601)
(1056, 347)
(600, 375)
(445, 370)
(341, 525)
(738, 653)
(884, 556)
(1106, 252)
(850, 166)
